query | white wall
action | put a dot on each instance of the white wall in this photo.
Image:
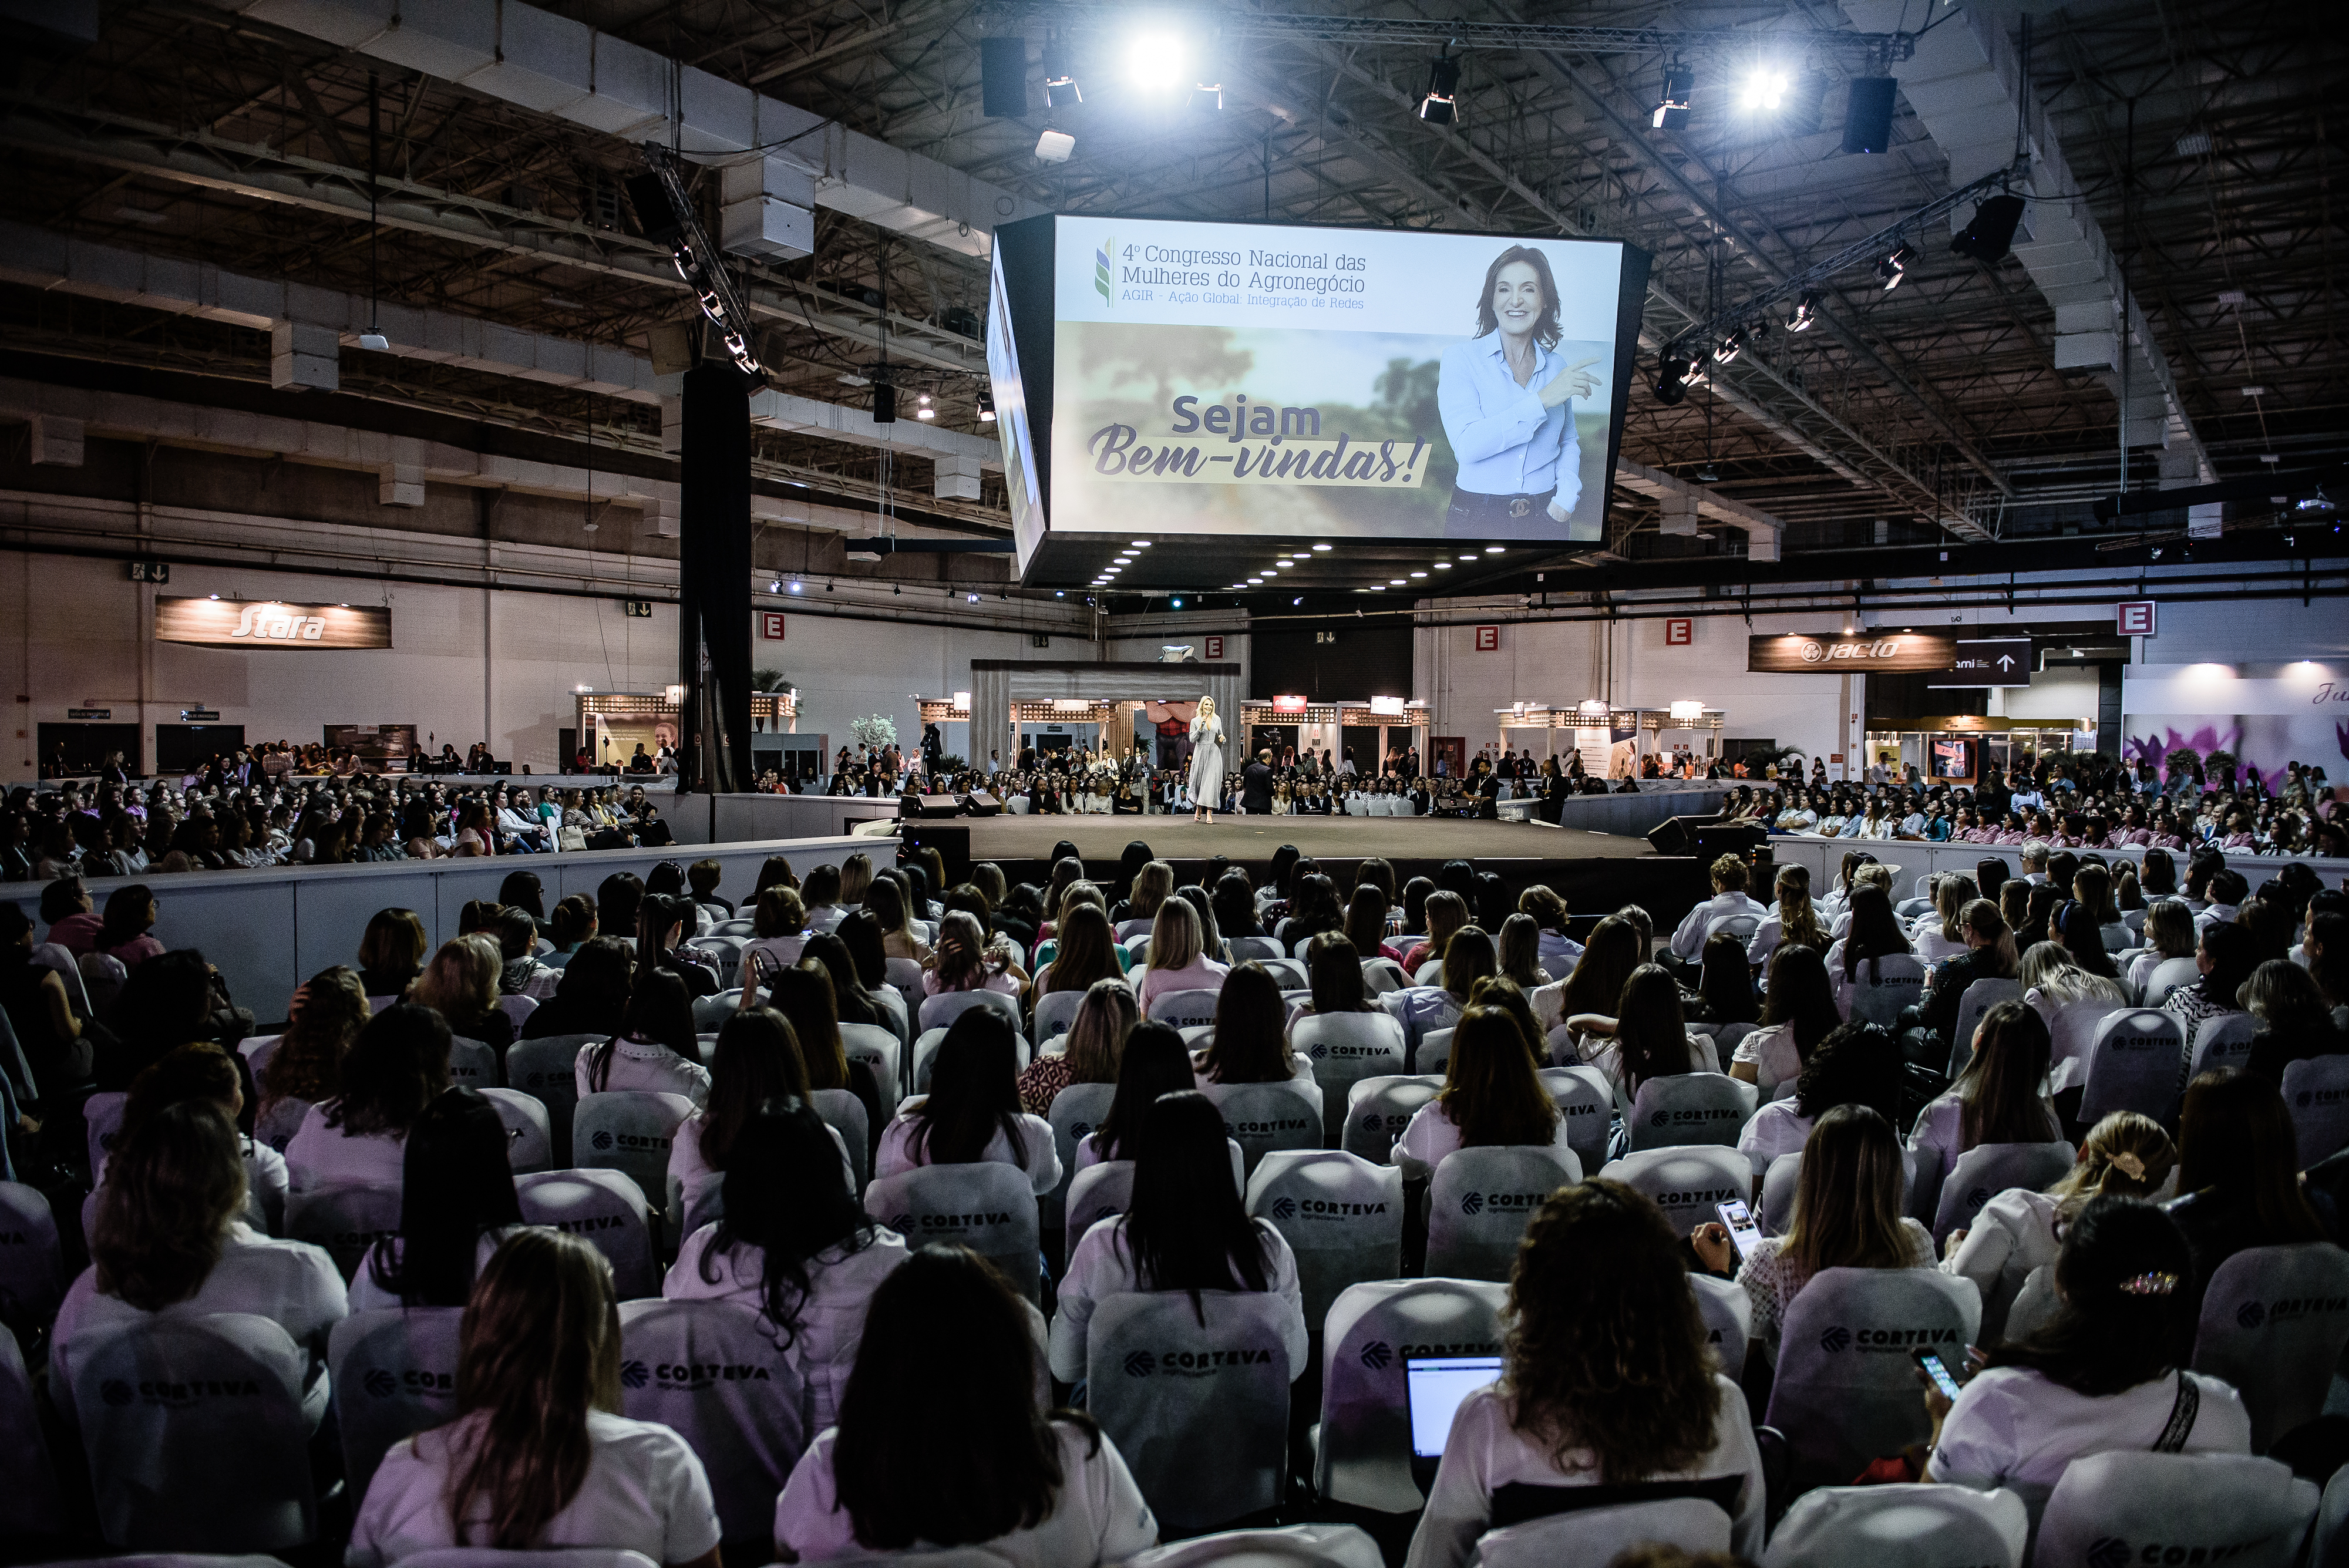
(2069, 693)
(465, 664)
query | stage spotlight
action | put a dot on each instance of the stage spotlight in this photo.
(1672, 104)
(776, 587)
(1158, 62)
(1060, 87)
(1763, 90)
(1988, 237)
(1440, 105)
(1208, 96)
(1177, 602)
(885, 405)
(1734, 344)
(1806, 312)
(985, 407)
(1895, 267)
(1672, 379)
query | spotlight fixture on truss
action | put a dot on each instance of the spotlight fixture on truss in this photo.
(1734, 344)
(1440, 103)
(1895, 266)
(1673, 106)
(1806, 312)
(697, 260)
(1061, 90)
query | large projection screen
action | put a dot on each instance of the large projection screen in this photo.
(1215, 381)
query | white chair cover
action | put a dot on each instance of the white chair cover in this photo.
(471, 1064)
(988, 1207)
(1254, 948)
(1728, 1313)
(1378, 1109)
(1341, 1215)
(2133, 1066)
(196, 1436)
(606, 1209)
(2168, 975)
(1594, 1537)
(517, 1008)
(1199, 1411)
(1098, 1192)
(551, 1557)
(530, 1140)
(715, 1373)
(1901, 1526)
(844, 1114)
(1846, 1391)
(1434, 1054)
(2316, 1093)
(2224, 1041)
(1586, 1101)
(1686, 1182)
(1987, 1169)
(1362, 1448)
(1056, 1012)
(940, 1012)
(2233, 1509)
(1690, 1109)
(629, 1131)
(547, 1071)
(1262, 1118)
(394, 1373)
(1290, 972)
(1183, 1009)
(1288, 1546)
(2274, 1322)
(344, 1220)
(101, 1117)
(1479, 1201)
(2034, 1305)
(1881, 987)
(1345, 1048)
(1979, 999)
(886, 1055)
(1382, 975)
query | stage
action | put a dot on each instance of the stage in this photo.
(1595, 873)
(1254, 838)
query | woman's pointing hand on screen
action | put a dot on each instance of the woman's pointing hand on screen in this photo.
(1575, 382)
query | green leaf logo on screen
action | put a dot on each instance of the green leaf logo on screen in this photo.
(1101, 271)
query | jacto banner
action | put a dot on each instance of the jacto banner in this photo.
(1835, 653)
(271, 623)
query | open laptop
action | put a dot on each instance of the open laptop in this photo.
(1433, 1387)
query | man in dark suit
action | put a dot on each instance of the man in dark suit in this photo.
(1255, 786)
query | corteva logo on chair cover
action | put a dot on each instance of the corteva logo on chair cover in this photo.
(1376, 1121)
(1697, 1199)
(1267, 1126)
(1288, 1208)
(2307, 1098)
(1321, 1051)
(1192, 1363)
(1503, 1203)
(904, 1223)
(586, 1222)
(1695, 1115)
(2252, 1313)
(690, 1377)
(606, 1141)
(115, 1391)
(2112, 1551)
(383, 1382)
(1378, 1355)
(1902, 1339)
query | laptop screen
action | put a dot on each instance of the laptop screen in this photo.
(1434, 1386)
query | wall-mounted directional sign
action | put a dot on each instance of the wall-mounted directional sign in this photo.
(1988, 662)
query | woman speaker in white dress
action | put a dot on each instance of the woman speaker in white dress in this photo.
(1206, 762)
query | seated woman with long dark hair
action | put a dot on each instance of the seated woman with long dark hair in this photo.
(1491, 1095)
(1184, 1229)
(1155, 1063)
(956, 1451)
(2108, 1375)
(1608, 1382)
(655, 1048)
(755, 1061)
(169, 1239)
(1798, 1011)
(396, 1066)
(538, 1458)
(457, 1202)
(793, 1245)
(203, 1073)
(593, 992)
(1249, 1043)
(972, 1113)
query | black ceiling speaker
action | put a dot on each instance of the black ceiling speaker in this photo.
(1867, 123)
(1003, 77)
(1991, 233)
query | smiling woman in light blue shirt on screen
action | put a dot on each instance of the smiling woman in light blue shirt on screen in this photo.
(1506, 398)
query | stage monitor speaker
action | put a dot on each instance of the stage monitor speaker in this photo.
(952, 844)
(1709, 841)
(932, 806)
(979, 803)
(1672, 835)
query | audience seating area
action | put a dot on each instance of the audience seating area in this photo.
(1243, 1452)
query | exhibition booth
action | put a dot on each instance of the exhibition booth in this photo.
(1957, 749)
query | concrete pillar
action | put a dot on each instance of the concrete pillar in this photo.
(57, 441)
(304, 354)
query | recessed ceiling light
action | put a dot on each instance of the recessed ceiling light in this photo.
(1396, 581)
(1443, 565)
(1494, 549)
(1320, 547)
(1419, 573)
(1378, 587)
(1256, 582)
(1283, 566)
(1141, 544)
(1467, 557)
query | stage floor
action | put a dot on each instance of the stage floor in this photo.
(1254, 838)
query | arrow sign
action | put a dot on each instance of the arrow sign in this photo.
(1985, 661)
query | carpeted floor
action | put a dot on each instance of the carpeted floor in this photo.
(1254, 838)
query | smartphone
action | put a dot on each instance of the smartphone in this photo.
(1938, 1371)
(1746, 1234)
